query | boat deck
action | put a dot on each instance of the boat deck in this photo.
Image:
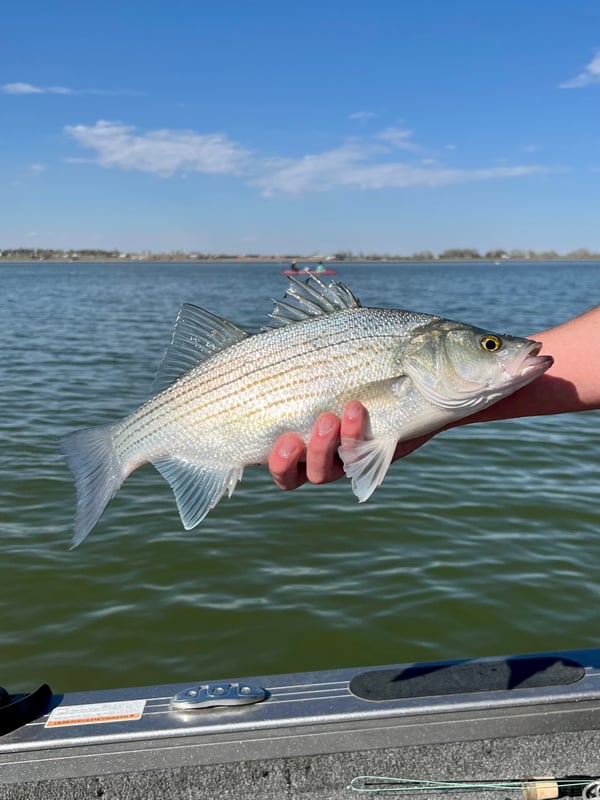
(308, 735)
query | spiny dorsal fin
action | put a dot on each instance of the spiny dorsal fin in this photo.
(312, 298)
(197, 335)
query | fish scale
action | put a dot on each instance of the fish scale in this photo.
(235, 393)
(283, 380)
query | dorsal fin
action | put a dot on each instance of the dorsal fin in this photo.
(197, 335)
(312, 298)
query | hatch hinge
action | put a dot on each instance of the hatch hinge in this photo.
(208, 695)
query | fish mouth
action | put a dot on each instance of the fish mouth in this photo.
(530, 365)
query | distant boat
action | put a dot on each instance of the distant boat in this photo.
(308, 272)
(318, 270)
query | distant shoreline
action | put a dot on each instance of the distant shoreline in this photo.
(278, 261)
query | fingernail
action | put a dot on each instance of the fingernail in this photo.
(353, 410)
(326, 425)
(286, 449)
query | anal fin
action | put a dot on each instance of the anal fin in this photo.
(197, 488)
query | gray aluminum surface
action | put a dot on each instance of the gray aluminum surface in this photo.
(308, 721)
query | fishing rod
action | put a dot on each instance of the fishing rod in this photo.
(537, 788)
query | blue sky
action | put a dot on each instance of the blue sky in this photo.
(280, 127)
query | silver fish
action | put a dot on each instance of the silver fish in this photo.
(224, 396)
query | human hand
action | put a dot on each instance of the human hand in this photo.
(291, 464)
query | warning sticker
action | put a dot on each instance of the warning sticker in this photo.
(96, 713)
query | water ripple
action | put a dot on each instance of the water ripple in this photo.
(482, 542)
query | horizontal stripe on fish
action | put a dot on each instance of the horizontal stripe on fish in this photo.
(229, 395)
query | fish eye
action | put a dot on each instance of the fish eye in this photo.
(490, 342)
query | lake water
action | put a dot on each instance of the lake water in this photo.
(484, 542)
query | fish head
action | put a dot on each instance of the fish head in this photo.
(458, 366)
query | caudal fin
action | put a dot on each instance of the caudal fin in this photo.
(98, 474)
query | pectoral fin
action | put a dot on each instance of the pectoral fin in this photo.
(366, 463)
(197, 488)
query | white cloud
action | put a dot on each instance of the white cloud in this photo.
(399, 138)
(326, 174)
(36, 169)
(162, 152)
(310, 173)
(591, 74)
(372, 162)
(29, 88)
(20, 88)
(359, 164)
(362, 116)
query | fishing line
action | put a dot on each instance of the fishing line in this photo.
(543, 788)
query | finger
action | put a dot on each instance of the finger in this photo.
(285, 462)
(354, 421)
(322, 463)
(352, 431)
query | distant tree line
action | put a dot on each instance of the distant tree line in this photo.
(468, 253)
(451, 254)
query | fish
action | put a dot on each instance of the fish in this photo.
(223, 395)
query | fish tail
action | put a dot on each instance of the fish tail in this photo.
(93, 460)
